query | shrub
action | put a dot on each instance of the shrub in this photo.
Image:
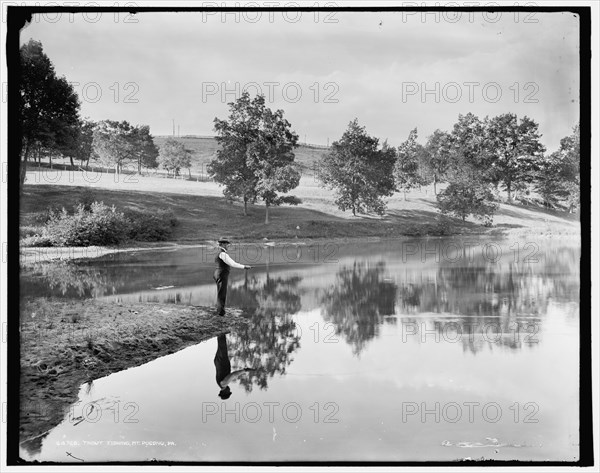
(36, 240)
(101, 225)
(45, 215)
(150, 226)
(98, 224)
(87, 199)
(29, 230)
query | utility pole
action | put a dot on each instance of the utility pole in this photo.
(178, 134)
(173, 127)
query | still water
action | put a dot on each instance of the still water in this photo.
(408, 350)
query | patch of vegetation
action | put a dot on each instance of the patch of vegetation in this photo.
(150, 226)
(94, 223)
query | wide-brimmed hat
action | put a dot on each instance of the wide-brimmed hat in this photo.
(223, 240)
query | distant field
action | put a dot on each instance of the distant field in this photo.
(205, 149)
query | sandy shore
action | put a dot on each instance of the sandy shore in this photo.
(65, 344)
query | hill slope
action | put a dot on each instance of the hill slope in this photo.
(204, 149)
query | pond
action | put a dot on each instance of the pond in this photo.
(402, 350)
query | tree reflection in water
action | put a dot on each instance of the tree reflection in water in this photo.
(507, 301)
(357, 301)
(270, 339)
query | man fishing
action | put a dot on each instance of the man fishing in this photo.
(221, 275)
(224, 375)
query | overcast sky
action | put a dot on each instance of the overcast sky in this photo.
(372, 66)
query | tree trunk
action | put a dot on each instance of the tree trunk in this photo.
(140, 166)
(267, 214)
(508, 191)
(245, 206)
(354, 210)
(24, 166)
(404, 195)
(434, 185)
(72, 163)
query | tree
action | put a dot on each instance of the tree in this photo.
(256, 158)
(467, 196)
(85, 139)
(514, 150)
(174, 156)
(467, 172)
(48, 105)
(558, 181)
(407, 170)
(437, 155)
(146, 152)
(360, 173)
(271, 160)
(112, 144)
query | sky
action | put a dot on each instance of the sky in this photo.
(394, 71)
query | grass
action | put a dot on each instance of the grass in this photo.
(203, 214)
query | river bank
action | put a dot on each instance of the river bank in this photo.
(66, 343)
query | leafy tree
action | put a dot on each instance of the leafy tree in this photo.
(146, 152)
(360, 173)
(174, 156)
(256, 158)
(85, 138)
(469, 177)
(437, 156)
(468, 146)
(48, 105)
(271, 160)
(465, 196)
(514, 150)
(407, 170)
(113, 144)
(559, 177)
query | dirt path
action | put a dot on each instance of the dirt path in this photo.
(65, 344)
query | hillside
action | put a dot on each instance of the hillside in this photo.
(205, 148)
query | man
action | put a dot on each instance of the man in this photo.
(221, 274)
(224, 375)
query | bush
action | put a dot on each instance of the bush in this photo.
(36, 240)
(94, 223)
(45, 215)
(87, 199)
(150, 226)
(29, 231)
(101, 225)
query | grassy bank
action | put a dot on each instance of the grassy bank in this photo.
(203, 214)
(66, 343)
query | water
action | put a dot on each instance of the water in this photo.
(397, 351)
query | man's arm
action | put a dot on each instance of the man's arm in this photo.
(233, 376)
(229, 261)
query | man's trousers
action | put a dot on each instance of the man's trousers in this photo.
(221, 278)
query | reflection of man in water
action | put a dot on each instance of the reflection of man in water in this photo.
(223, 368)
(221, 274)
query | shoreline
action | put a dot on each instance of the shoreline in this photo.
(32, 255)
(68, 343)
